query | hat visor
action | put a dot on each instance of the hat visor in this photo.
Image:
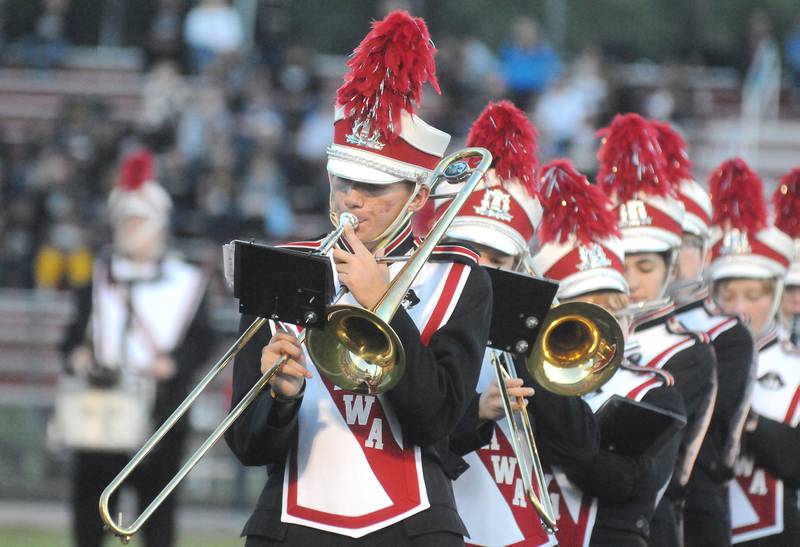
(359, 172)
(746, 269)
(597, 279)
(483, 236)
(793, 278)
(643, 244)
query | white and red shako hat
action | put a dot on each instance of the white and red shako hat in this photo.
(786, 202)
(377, 137)
(579, 244)
(504, 213)
(678, 168)
(137, 193)
(743, 243)
(633, 173)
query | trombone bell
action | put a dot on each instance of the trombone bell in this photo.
(578, 350)
(357, 351)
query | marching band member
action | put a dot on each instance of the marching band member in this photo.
(632, 171)
(706, 513)
(139, 334)
(346, 469)
(787, 220)
(610, 499)
(749, 260)
(500, 221)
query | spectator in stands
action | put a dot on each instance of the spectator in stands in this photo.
(64, 261)
(264, 200)
(213, 30)
(46, 46)
(792, 50)
(164, 32)
(529, 63)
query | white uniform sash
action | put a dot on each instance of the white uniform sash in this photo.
(756, 495)
(350, 471)
(490, 497)
(162, 310)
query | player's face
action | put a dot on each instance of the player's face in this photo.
(614, 302)
(375, 205)
(689, 265)
(646, 274)
(790, 302)
(752, 298)
(493, 258)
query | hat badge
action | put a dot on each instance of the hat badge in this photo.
(495, 204)
(363, 136)
(633, 214)
(592, 256)
(735, 242)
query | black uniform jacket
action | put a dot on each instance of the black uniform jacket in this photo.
(627, 487)
(564, 427)
(706, 492)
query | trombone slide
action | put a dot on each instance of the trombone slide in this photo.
(527, 461)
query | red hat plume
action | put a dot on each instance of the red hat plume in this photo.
(508, 134)
(631, 161)
(387, 71)
(675, 151)
(737, 197)
(135, 170)
(786, 201)
(572, 205)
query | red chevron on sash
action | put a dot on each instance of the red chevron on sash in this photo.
(762, 489)
(501, 463)
(393, 465)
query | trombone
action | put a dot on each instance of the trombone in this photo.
(525, 449)
(579, 348)
(576, 352)
(357, 351)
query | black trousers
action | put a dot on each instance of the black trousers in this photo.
(94, 470)
(391, 536)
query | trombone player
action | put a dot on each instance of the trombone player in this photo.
(610, 497)
(344, 468)
(500, 221)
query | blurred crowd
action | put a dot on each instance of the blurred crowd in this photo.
(240, 127)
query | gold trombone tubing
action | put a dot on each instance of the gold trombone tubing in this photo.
(125, 533)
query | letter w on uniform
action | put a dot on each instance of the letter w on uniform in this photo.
(357, 407)
(504, 467)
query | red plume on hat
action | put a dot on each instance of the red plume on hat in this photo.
(737, 197)
(135, 170)
(508, 134)
(572, 205)
(387, 71)
(631, 160)
(786, 201)
(674, 149)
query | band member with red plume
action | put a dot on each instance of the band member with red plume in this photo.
(633, 173)
(750, 258)
(348, 469)
(786, 204)
(139, 334)
(608, 498)
(500, 220)
(706, 515)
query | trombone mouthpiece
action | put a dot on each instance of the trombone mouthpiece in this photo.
(348, 218)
